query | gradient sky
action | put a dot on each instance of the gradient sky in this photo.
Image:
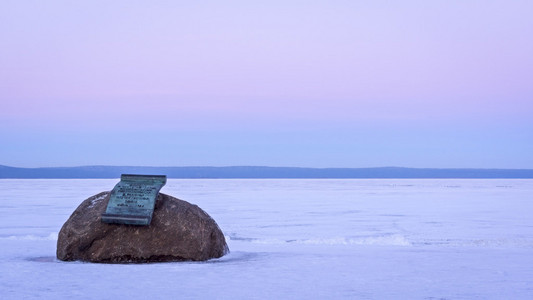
(276, 83)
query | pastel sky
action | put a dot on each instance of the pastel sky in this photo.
(277, 83)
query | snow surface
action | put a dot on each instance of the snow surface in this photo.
(293, 239)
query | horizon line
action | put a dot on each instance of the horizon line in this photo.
(260, 172)
(264, 166)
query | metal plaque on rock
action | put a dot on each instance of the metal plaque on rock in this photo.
(132, 200)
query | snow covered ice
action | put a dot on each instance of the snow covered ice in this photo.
(293, 239)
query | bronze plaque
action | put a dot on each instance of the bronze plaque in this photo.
(133, 199)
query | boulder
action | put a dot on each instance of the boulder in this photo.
(179, 231)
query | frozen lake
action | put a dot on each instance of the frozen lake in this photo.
(293, 239)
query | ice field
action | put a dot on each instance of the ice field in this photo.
(293, 239)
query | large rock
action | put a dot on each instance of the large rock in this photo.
(179, 231)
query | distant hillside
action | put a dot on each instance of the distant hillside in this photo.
(260, 172)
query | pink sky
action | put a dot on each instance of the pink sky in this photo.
(384, 78)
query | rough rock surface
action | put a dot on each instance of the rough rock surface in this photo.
(179, 231)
